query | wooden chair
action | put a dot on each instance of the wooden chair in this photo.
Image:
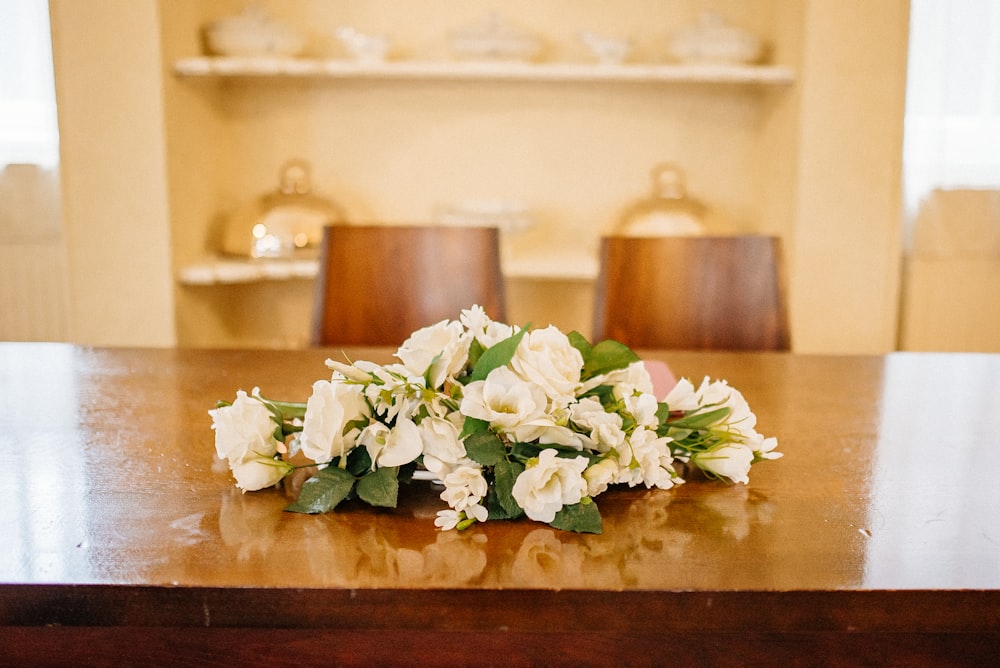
(379, 283)
(697, 293)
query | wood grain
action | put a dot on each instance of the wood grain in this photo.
(875, 539)
(379, 283)
(692, 293)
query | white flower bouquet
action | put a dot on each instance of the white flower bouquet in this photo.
(510, 421)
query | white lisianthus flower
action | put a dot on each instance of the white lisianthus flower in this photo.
(546, 431)
(549, 483)
(643, 407)
(243, 428)
(605, 428)
(448, 519)
(503, 399)
(464, 488)
(349, 371)
(682, 397)
(392, 389)
(329, 410)
(546, 358)
(633, 378)
(731, 461)
(442, 449)
(652, 453)
(391, 447)
(740, 419)
(487, 332)
(763, 448)
(440, 351)
(258, 472)
(600, 475)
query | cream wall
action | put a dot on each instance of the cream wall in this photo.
(816, 162)
(116, 216)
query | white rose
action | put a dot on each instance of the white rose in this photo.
(243, 428)
(441, 351)
(331, 407)
(731, 461)
(548, 484)
(503, 399)
(546, 358)
(256, 473)
(392, 447)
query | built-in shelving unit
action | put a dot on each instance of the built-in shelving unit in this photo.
(480, 70)
(222, 271)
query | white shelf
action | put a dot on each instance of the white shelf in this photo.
(458, 70)
(233, 271)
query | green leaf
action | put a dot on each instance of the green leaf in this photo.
(496, 356)
(607, 356)
(323, 491)
(359, 462)
(505, 474)
(700, 420)
(583, 517)
(578, 341)
(522, 452)
(288, 409)
(473, 426)
(485, 447)
(475, 352)
(379, 488)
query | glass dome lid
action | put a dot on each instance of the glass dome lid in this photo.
(286, 223)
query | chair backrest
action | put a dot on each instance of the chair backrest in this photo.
(695, 293)
(377, 284)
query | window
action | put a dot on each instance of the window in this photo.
(952, 133)
(28, 128)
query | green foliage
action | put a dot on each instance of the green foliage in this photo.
(583, 517)
(607, 356)
(703, 420)
(359, 462)
(485, 447)
(580, 342)
(379, 488)
(473, 426)
(475, 352)
(505, 474)
(496, 356)
(323, 491)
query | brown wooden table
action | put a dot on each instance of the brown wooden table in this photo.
(875, 540)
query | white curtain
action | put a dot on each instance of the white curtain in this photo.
(28, 129)
(952, 133)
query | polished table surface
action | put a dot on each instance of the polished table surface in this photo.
(119, 525)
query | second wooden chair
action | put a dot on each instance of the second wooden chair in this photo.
(697, 293)
(379, 283)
